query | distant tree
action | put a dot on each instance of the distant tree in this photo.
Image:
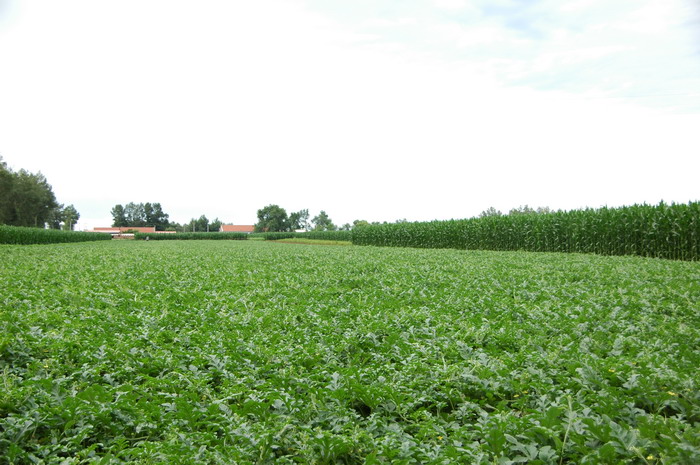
(27, 199)
(323, 223)
(272, 218)
(215, 225)
(32, 200)
(491, 211)
(345, 227)
(135, 214)
(202, 224)
(70, 217)
(119, 216)
(147, 214)
(55, 219)
(64, 218)
(526, 210)
(522, 210)
(299, 220)
(140, 214)
(155, 216)
(357, 223)
(294, 221)
(6, 189)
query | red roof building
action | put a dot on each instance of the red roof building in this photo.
(237, 228)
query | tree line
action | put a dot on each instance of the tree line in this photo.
(274, 218)
(27, 199)
(521, 210)
(271, 218)
(152, 215)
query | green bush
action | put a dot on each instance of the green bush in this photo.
(23, 235)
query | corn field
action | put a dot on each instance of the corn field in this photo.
(663, 231)
(22, 235)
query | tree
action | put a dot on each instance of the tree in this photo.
(155, 216)
(323, 223)
(526, 210)
(63, 218)
(299, 220)
(140, 214)
(147, 214)
(201, 224)
(491, 211)
(55, 219)
(6, 188)
(27, 199)
(32, 199)
(272, 218)
(70, 217)
(522, 210)
(119, 216)
(345, 227)
(215, 225)
(357, 223)
(135, 214)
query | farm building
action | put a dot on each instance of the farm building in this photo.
(237, 228)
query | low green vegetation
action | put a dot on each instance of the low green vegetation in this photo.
(273, 236)
(329, 235)
(202, 236)
(302, 240)
(318, 235)
(664, 231)
(22, 235)
(250, 352)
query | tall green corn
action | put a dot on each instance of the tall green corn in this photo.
(22, 235)
(663, 231)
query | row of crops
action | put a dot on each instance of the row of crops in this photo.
(663, 231)
(268, 236)
(315, 235)
(22, 235)
(236, 236)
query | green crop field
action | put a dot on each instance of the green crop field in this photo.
(251, 352)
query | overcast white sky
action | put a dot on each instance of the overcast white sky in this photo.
(367, 109)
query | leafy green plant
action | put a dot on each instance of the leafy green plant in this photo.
(250, 352)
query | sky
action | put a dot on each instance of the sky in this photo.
(367, 109)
